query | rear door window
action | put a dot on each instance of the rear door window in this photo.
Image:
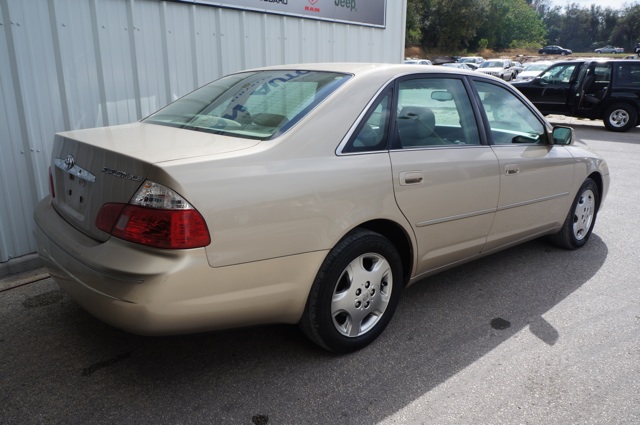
(434, 112)
(627, 74)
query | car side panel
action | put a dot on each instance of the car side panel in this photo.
(537, 188)
(276, 204)
(449, 195)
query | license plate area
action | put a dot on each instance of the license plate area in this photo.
(74, 193)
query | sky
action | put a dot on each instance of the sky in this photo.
(617, 4)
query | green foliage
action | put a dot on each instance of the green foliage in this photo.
(452, 24)
(415, 22)
(513, 22)
(465, 25)
(627, 32)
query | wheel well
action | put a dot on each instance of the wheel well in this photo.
(399, 238)
(597, 178)
(615, 102)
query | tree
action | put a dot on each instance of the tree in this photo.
(512, 23)
(457, 25)
(415, 22)
(452, 25)
(627, 31)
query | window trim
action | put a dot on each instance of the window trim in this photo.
(367, 111)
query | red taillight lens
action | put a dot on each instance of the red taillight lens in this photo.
(172, 229)
(162, 226)
(108, 215)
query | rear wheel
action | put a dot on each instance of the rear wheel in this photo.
(355, 293)
(577, 227)
(620, 117)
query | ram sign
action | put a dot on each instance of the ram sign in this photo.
(359, 12)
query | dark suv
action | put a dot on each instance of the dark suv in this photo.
(596, 89)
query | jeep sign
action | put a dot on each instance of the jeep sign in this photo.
(359, 12)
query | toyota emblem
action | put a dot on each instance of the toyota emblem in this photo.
(69, 162)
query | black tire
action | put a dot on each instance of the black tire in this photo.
(577, 227)
(620, 117)
(345, 310)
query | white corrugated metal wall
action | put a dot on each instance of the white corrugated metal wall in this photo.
(70, 64)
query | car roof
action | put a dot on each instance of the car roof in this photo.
(361, 68)
(583, 60)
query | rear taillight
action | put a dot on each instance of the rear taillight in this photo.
(156, 216)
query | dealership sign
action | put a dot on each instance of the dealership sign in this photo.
(359, 12)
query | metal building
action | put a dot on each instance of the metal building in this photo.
(70, 64)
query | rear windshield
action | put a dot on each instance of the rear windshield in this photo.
(255, 105)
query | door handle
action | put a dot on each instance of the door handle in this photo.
(411, 177)
(511, 169)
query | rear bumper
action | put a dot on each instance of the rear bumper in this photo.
(162, 292)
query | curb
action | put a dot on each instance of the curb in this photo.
(21, 279)
(21, 271)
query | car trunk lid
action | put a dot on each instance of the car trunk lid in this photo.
(90, 168)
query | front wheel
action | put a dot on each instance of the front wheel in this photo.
(620, 117)
(578, 225)
(355, 293)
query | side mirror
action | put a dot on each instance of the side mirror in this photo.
(562, 135)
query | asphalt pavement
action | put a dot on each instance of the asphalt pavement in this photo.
(530, 335)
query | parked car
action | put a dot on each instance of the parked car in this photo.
(417, 62)
(589, 88)
(471, 59)
(518, 67)
(501, 68)
(532, 70)
(471, 65)
(459, 65)
(554, 50)
(637, 48)
(306, 194)
(609, 49)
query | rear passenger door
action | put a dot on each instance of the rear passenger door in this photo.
(446, 180)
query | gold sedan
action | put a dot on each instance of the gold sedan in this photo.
(306, 194)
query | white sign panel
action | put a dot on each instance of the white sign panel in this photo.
(359, 12)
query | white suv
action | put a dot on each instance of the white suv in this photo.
(501, 68)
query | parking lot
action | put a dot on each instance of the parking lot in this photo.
(532, 335)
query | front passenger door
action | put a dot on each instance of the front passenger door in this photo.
(552, 91)
(535, 177)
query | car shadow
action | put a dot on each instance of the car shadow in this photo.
(272, 374)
